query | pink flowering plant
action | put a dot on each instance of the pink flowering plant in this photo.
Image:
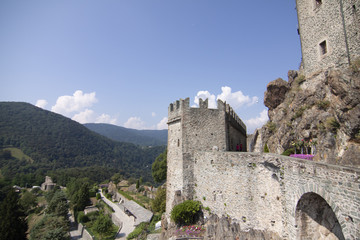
(190, 231)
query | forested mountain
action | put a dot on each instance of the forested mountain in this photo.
(55, 142)
(121, 134)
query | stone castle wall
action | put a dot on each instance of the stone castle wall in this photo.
(262, 191)
(337, 23)
(196, 129)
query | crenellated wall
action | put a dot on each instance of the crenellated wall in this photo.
(286, 197)
(197, 129)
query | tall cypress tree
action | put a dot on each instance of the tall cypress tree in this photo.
(13, 225)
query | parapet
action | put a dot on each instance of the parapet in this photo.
(176, 108)
(234, 118)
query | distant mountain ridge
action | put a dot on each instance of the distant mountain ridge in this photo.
(122, 134)
(56, 142)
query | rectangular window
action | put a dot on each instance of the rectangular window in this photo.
(323, 48)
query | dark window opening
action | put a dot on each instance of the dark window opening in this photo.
(323, 48)
(178, 143)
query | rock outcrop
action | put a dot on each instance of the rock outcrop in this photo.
(323, 108)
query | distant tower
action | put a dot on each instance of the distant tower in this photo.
(329, 33)
(197, 129)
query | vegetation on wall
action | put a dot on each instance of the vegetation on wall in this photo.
(186, 212)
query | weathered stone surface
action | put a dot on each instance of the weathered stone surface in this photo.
(307, 111)
(292, 74)
(275, 93)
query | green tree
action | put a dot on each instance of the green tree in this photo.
(58, 205)
(159, 167)
(28, 201)
(103, 225)
(159, 203)
(81, 198)
(50, 227)
(13, 225)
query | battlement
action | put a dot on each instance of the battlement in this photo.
(177, 108)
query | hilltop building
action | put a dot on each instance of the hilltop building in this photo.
(48, 184)
(329, 33)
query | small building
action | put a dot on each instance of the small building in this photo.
(48, 184)
(90, 209)
(140, 214)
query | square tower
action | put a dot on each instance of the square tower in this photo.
(329, 33)
(193, 130)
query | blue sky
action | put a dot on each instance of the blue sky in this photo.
(124, 61)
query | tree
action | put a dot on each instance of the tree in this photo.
(28, 201)
(159, 167)
(159, 203)
(51, 227)
(103, 225)
(58, 205)
(13, 225)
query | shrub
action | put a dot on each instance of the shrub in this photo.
(159, 203)
(271, 126)
(332, 125)
(299, 112)
(186, 212)
(82, 218)
(323, 105)
(137, 231)
(288, 151)
(266, 149)
(98, 196)
(300, 79)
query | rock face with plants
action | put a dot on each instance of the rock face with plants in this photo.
(319, 113)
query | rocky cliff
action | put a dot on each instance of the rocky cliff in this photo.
(319, 114)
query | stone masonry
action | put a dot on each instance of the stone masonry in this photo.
(194, 129)
(329, 33)
(286, 197)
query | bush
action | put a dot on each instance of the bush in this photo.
(332, 125)
(288, 151)
(266, 149)
(159, 203)
(271, 126)
(137, 231)
(98, 196)
(323, 105)
(186, 212)
(82, 218)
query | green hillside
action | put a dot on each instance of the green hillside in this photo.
(55, 142)
(121, 134)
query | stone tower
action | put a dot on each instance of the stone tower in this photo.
(329, 33)
(192, 130)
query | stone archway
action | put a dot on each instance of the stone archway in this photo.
(316, 220)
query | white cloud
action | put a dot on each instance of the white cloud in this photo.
(153, 114)
(257, 122)
(105, 118)
(135, 123)
(86, 116)
(79, 101)
(162, 124)
(236, 99)
(41, 103)
(206, 95)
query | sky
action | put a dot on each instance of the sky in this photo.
(124, 61)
